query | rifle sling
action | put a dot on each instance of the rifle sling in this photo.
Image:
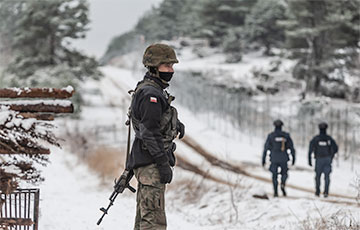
(128, 142)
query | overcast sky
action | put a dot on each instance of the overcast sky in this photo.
(110, 18)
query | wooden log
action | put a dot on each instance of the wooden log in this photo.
(38, 116)
(26, 150)
(40, 107)
(16, 221)
(37, 92)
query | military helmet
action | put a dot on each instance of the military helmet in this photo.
(323, 125)
(157, 54)
(278, 123)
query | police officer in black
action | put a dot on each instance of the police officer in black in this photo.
(156, 125)
(278, 143)
(324, 147)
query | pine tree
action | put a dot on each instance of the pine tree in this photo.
(326, 26)
(262, 26)
(7, 28)
(41, 40)
(169, 20)
(219, 17)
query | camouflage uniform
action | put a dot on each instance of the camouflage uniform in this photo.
(150, 209)
(156, 126)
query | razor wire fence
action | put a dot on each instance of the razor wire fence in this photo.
(255, 118)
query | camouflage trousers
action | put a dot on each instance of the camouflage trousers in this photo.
(150, 208)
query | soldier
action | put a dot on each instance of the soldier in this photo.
(324, 148)
(156, 125)
(278, 143)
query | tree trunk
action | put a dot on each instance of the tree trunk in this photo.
(317, 44)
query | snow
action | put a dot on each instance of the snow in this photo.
(72, 194)
(244, 150)
(4, 114)
(56, 102)
(9, 119)
(69, 89)
(12, 169)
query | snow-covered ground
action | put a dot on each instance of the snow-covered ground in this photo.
(72, 194)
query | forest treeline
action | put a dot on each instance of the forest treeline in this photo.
(322, 35)
(35, 44)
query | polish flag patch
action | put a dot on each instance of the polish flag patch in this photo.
(153, 99)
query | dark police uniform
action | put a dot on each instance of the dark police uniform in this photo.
(324, 148)
(278, 143)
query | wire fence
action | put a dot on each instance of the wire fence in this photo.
(255, 117)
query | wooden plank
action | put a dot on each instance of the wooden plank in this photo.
(37, 92)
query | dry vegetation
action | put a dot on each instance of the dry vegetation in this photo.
(191, 190)
(356, 186)
(107, 162)
(341, 220)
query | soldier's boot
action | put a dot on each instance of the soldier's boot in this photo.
(283, 189)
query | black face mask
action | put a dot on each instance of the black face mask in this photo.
(166, 76)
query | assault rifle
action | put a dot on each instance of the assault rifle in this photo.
(120, 185)
(123, 182)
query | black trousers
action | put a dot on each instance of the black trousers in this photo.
(274, 169)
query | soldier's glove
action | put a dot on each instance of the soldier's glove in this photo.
(310, 164)
(162, 163)
(165, 173)
(171, 155)
(293, 160)
(180, 128)
(263, 163)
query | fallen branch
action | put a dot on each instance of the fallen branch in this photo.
(25, 150)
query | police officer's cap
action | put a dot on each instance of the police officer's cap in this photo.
(323, 125)
(278, 123)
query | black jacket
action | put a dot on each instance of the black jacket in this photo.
(148, 106)
(322, 145)
(278, 142)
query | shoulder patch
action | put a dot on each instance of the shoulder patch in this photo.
(153, 99)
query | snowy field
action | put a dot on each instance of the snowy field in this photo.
(72, 194)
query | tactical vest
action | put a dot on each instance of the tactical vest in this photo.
(323, 147)
(168, 120)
